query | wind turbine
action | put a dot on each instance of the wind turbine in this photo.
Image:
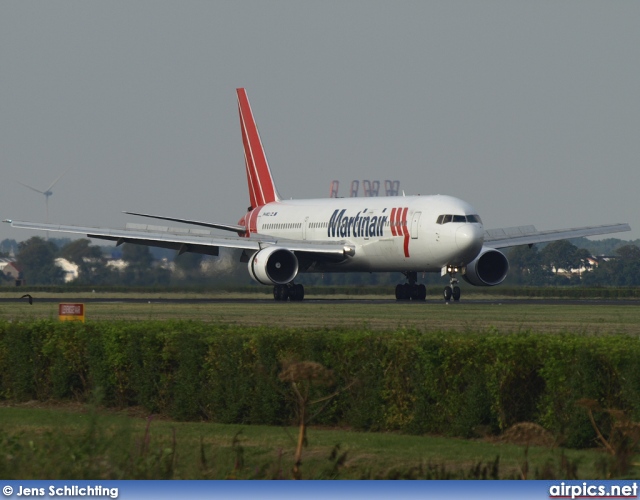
(47, 192)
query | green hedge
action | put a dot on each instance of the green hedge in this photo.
(408, 381)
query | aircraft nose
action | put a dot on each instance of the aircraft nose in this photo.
(469, 239)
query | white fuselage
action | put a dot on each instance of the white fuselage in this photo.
(396, 233)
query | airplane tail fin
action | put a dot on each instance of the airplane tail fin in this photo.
(262, 189)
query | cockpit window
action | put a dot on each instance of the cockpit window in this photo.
(472, 219)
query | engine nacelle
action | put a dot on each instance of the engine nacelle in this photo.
(273, 266)
(489, 268)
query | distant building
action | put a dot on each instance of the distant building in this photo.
(11, 270)
(4, 261)
(587, 265)
(370, 188)
(70, 269)
(118, 264)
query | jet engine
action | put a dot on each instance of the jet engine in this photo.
(273, 266)
(489, 268)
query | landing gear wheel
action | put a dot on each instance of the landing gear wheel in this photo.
(447, 293)
(411, 290)
(403, 292)
(281, 292)
(296, 293)
(291, 292)
(456, 293)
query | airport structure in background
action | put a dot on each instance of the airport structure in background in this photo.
(370, 188)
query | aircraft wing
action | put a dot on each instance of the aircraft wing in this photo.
(192, 240)
(529, 235)
(239, 230)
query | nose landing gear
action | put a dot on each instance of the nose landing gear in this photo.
(453, 290)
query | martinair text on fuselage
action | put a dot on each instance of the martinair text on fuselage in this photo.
(345, 226)
(350, 222)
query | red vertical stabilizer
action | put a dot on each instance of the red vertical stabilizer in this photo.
(262, 189)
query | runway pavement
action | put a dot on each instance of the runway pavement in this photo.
(324, 300)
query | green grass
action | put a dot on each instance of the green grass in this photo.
(462, 317)
(74, 442)
(70, 442)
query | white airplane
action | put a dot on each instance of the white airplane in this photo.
(281, 238)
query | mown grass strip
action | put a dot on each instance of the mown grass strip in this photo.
(76, 442)
(385, 316)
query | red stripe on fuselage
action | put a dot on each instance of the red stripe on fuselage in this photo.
(399, 226)
(405, 231)
(393, 222)
(399, 222)
(253, 220)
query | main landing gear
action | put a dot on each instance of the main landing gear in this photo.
(411, 290)
(290, 291)
(453, 290)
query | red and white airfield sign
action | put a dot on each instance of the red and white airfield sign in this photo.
(71, 312)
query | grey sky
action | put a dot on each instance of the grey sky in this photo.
(530, 111)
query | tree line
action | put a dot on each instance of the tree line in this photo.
(36, 258)
(562, 263)
(529, 266)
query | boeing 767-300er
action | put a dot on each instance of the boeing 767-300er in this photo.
(281, 238)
